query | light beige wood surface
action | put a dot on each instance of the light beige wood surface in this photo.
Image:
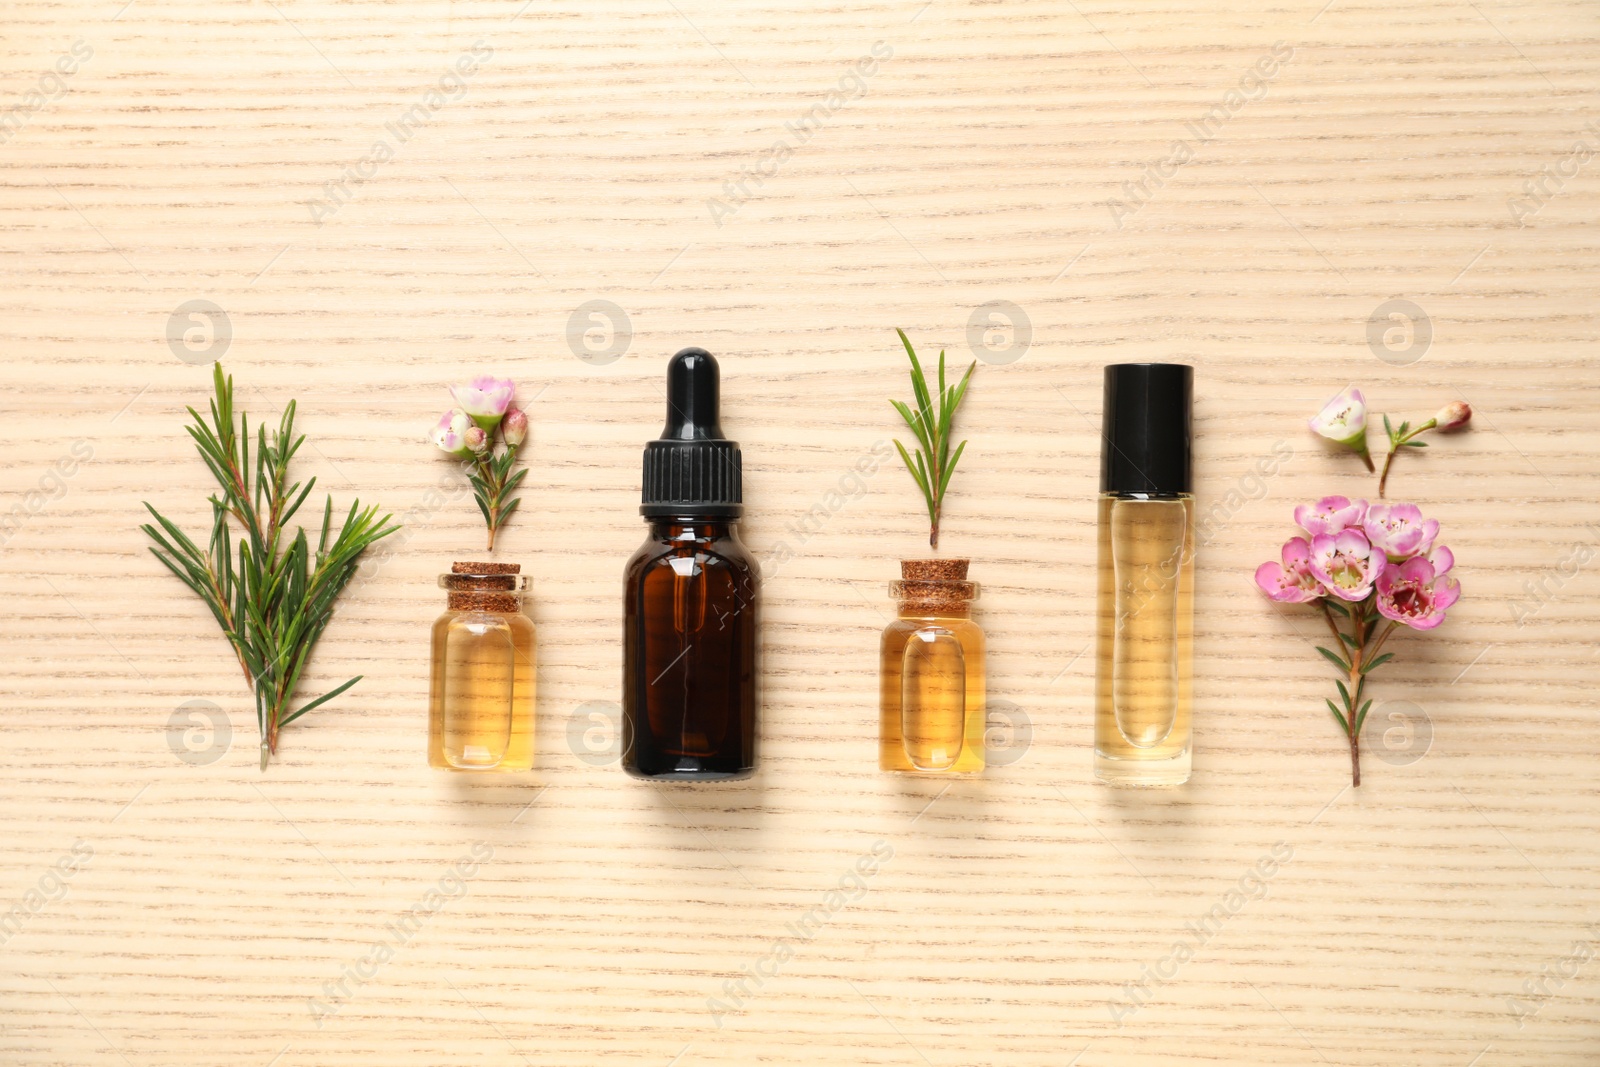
(209, 905)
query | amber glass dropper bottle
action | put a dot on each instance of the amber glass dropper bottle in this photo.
(690, 598)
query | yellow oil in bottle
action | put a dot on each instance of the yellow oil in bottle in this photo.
(1145, 636)
(932, 683)
(482, 693)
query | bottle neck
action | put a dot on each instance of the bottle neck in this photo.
(685, 528)
(915, 609)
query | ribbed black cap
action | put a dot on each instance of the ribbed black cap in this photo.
(1145, 429)
(692, 470)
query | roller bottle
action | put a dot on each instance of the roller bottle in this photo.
(1145, 615)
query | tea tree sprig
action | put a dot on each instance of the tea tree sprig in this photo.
(271, 602)
(933, 462)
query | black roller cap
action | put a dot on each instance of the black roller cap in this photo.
(1145, 433)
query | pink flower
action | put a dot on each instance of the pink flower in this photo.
(1400, 531)
(1414, 594)
(1346, 563)
(485, 398)
(515, 427)
(476, 440)
(450, 433)
(1344, 419)
(1330, 515)
(1453, 415)
(1291, 581)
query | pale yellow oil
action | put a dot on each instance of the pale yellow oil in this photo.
(1145, 638)
(931, 697)
(481, 707)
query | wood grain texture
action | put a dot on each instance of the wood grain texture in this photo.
(1385, 158)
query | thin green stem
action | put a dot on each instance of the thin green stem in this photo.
(1377, 646)
(1397, 441)
(1357, 682)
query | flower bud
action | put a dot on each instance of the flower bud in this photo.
(476, 440)
(515, 427)
(1453, 415)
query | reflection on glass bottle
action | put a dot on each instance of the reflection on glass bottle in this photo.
(1146, 577)
(482, 695)
(689, 652)
(931, 673)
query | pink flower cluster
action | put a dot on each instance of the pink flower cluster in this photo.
(1354, 550)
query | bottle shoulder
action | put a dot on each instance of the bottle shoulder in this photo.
(899, 630)
(720, 551)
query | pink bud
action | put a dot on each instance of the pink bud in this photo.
(476, 440)
(515, 427)
(1453, 415)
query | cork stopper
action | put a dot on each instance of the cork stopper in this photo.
(485, 568)
(934, 570)
(934, 587)
(484, 587)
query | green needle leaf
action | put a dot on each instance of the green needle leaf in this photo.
(1362, 717)
(323, 699)
(1345, 726)
(1334, 659)
(1380, 661)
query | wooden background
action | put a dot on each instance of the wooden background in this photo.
(1442, 914)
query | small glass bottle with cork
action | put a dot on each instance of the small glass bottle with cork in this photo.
(931, 677)
(482, 689)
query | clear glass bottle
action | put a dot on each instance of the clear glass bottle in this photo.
(1145, 623)
(931, 682)
(482, 688)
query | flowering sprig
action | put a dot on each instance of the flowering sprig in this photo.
(467, 433)
(1343, 420)
(1371, 569)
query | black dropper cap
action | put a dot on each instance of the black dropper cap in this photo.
(692, 470)
(1145, 429)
